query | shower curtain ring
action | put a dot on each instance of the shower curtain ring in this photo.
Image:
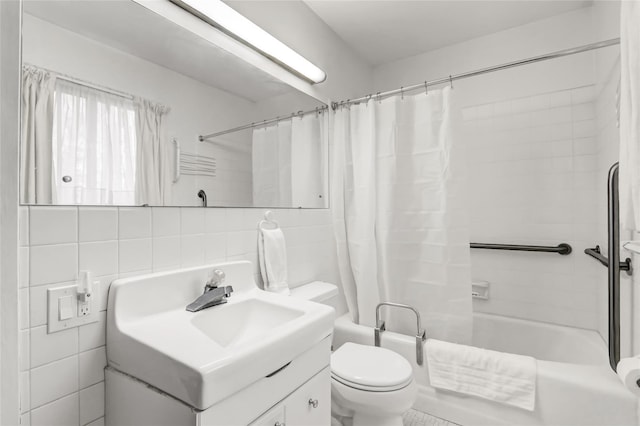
(426, 88)
(402, 93)
(379, 97)
(450, 81)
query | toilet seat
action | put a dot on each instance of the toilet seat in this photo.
(370, 368)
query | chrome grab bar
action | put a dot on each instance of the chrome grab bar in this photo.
(421, 335)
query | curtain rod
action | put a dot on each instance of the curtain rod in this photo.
(83, 82)
(318, 110)
(94, 86)
(90, 85)
(451, 78)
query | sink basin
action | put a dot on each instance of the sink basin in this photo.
(203, 357)
(243, 321)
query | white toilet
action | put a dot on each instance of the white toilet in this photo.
(371, 386)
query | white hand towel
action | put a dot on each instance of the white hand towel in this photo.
(272, 252)
(497, 376)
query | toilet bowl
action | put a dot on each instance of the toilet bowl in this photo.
(370, 386)
(373, 386)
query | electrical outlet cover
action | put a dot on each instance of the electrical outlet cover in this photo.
(78, 318)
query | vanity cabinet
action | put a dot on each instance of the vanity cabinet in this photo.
(309, 405)
(298, 394)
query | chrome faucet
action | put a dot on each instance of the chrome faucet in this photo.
(214, 294)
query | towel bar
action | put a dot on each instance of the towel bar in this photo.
(421, 334)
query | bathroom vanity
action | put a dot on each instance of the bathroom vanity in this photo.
(259, 359)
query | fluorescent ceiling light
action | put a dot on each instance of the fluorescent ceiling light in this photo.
(223, 17)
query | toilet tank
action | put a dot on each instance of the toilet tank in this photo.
(320, 292)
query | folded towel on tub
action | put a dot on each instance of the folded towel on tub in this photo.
(497, 376)
(272, 253)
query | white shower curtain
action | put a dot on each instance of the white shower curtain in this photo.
(400, 213)
(307, 166)
(271, 159)
(630, 115)
(289, 163)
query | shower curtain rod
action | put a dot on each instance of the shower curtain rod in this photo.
(203, 138)
(451, 78)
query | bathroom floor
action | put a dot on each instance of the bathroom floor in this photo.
(417, 418)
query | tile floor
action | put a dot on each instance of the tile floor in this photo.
(417, 418)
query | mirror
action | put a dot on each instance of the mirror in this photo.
(116, 99)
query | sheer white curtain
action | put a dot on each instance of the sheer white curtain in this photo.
(36, 170)
(271, 160)
(152, 177)
(94, 144)
(401, 222)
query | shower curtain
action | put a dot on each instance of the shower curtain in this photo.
(400, 213)
(308, 161)
(288, 163)
(271, 160)
(630, 115)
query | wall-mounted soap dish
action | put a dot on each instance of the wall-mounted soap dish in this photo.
(480, 290)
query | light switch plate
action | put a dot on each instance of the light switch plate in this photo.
(54, 323)
(65, 307)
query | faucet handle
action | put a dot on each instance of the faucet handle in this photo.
(216, 277)
(219, 276)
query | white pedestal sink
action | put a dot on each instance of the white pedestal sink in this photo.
(204, 357)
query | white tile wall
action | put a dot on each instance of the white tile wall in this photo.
(62, 373)
(534, 167)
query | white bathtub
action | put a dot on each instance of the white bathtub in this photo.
(575, 384)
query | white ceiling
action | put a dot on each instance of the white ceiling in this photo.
(387, 30)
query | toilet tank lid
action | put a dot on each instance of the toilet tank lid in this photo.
(316, 291)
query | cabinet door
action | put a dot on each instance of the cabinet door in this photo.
(273, 417)
(310, 405)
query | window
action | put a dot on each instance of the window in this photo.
(94, 146)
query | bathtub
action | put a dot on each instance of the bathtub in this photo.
(575, 385)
